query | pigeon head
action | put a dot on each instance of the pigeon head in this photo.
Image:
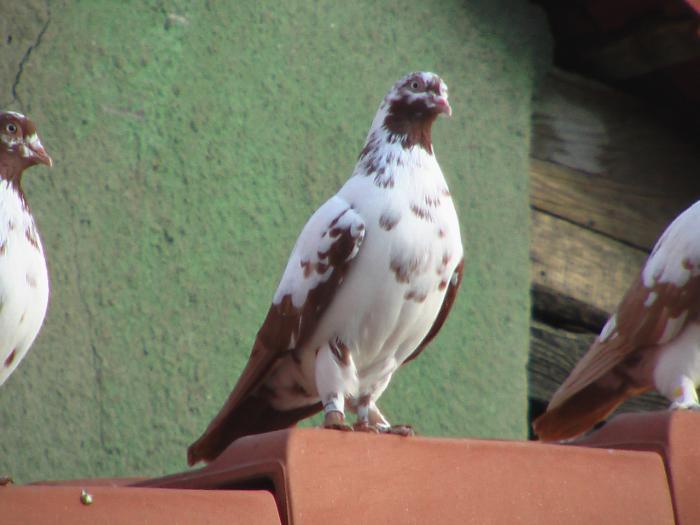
(412, 105)
(20, 146)
(418, 96)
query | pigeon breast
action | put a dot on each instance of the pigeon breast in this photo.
(24, 283)
(391, 296)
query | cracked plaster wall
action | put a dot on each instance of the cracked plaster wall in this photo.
(191, 141)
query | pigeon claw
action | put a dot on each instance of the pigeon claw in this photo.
(336, 421)
(363, 426)
(399, 430)
(682, 405)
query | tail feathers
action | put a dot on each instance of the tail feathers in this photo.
(583, 410)
(253, 415)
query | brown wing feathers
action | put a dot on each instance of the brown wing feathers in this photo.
(247, 409)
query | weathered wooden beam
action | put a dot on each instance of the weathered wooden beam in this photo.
(580, 264)
(554, 353)
(601, 204)
(600, 160)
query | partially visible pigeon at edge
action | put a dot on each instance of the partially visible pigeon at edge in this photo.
(24, 280)
(652, 341)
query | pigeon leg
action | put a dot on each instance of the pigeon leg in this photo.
(379, 421)
(370, 418)
(362, 424)
(335, 420)
(376, 418)
(685, 396)
(335, 375)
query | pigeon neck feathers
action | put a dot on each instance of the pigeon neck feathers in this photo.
(402, 121)
(400, 134)
(11, 166)
(10, 177)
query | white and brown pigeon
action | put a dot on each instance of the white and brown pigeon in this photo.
(651, 342)
(24, 281)
(368, 285)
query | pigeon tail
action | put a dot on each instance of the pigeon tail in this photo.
(253, 415)
(584, 409)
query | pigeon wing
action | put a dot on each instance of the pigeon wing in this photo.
(323, 254)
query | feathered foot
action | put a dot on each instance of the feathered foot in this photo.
(685, 396)
(681, 405)
(398, 430)
(336, 420)
(364, 426)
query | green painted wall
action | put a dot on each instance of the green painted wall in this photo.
(191, 141)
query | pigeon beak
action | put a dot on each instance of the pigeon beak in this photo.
(442, 105)
(36, 151)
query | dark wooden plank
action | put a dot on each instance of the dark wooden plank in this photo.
(556, 309)
(580, 264)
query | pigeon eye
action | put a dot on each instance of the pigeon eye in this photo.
(11, 128)
(415, 85)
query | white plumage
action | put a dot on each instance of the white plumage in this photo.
(675, 262)
(24, 281)
(675, 258)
